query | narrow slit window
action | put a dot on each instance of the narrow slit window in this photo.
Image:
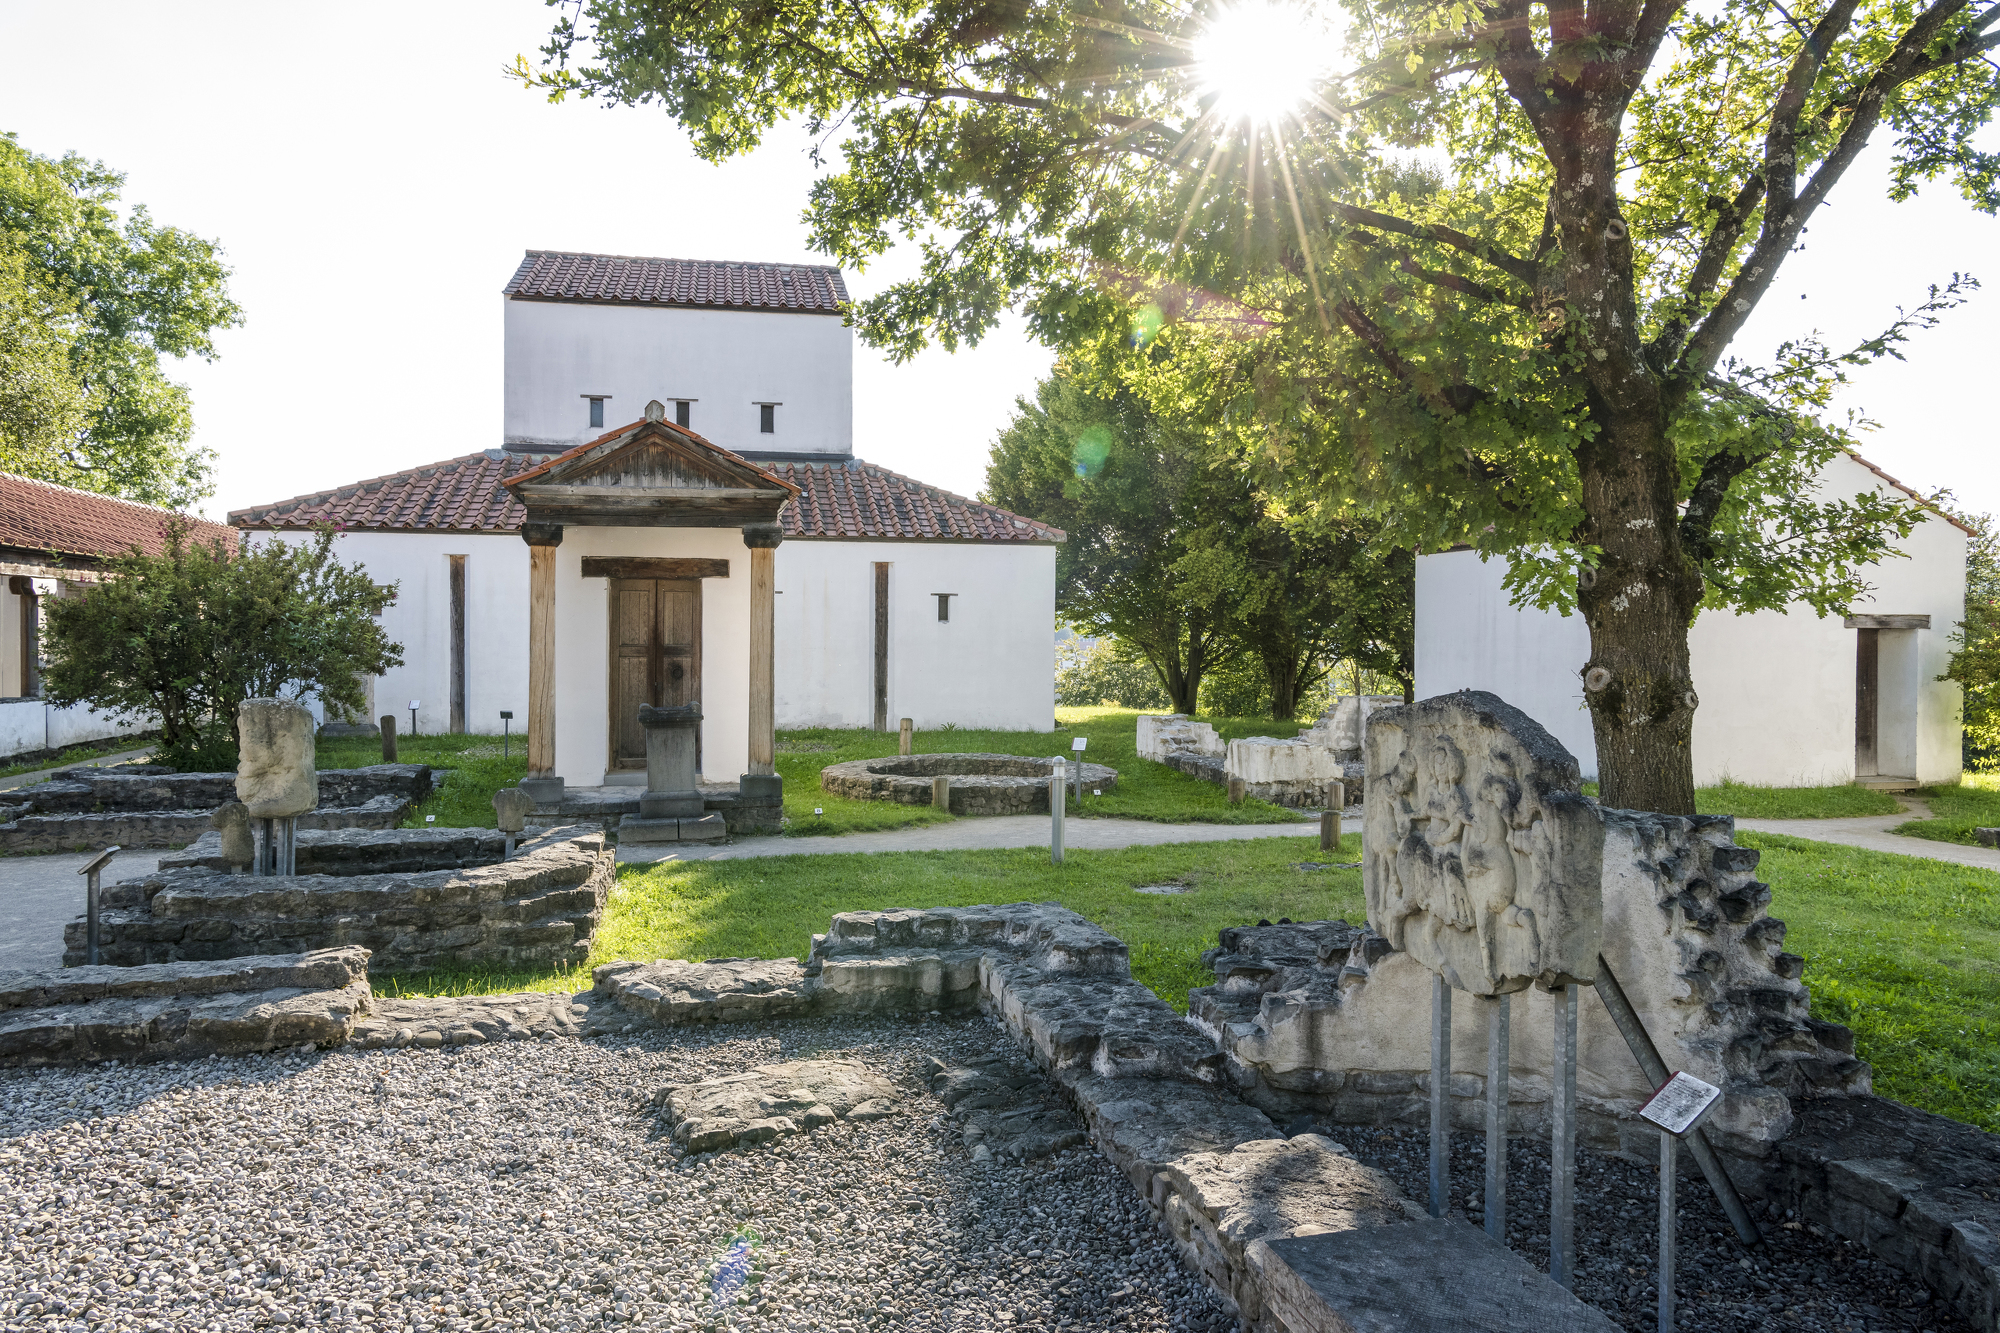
(944, 604)
(681, 412)
(597, 411)
(767, 418)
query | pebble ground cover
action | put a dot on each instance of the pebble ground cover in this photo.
(531, 1186)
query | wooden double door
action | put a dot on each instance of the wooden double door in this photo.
(655, 658)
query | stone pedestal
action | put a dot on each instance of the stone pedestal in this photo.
(671, 809)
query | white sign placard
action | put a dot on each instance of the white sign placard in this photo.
(1079, 744)
(1680, 1103)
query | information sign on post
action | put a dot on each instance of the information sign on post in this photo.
(1676, 1108)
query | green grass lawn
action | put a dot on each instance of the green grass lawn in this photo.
(1751, 802)
(477, 770)
(1906, 952)
(1145, 790)
(1973, 803)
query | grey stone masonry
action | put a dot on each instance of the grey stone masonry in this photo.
(981, 784)
(774, 1101)
(362, 851)
(181, 1010)
(430, 1022)
(87, 808)
(720, 990)
(537, 910)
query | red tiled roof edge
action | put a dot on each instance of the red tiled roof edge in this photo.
(1921, 501)
(962, 519)
(462, 494)
(62, 520)
(584, 277)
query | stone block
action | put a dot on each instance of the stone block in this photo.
(160, 1027)
(721, 990)
(1176, 734)
(769, 1101)
(1483, 859)
(646, 830)
(274, 771)
(1432, 1275)
(511, 808)
(918, 981)
(1298, 771)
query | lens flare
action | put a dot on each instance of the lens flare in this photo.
(1261, 61)
(1092, 448)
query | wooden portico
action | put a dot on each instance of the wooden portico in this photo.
(649, 475)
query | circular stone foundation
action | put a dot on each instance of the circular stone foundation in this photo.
(981, 784)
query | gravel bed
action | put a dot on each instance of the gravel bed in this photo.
(1805, 1280)
(530, 1185)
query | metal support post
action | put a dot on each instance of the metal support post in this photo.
(1562, 1144)
(1497, 1043)
(288, 845)
(1667, 1142)
(1058, 782)
(510, 848)
(264, 860)
(1440, 1095)
(1655, 1069)
(91, 872)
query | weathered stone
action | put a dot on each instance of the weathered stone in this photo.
(1007, 1110)
(1431, 1275)
(1050, 936)
(1343, 728)
(324, 969)
(1176, 734)
(721, 990)
(981, 784)
(773, 1100)
(472, 1019)
(511, 808)
(237, 843)
(1297, 771)
(1483, 860)
(274, 770)
(357, 851)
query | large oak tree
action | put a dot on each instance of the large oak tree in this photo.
(1522, 344)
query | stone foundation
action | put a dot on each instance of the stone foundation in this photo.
(536, 910)
(981, 784)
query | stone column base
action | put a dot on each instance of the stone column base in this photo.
(546, 791)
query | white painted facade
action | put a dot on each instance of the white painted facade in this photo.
(1777, 689)
(722, 363)
(27, 724)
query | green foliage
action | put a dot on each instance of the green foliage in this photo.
(1093, 672)
(1146, 790)
(1750, 801)
(1975, 663)
(1522, 345)
(89, 305)
(476, 767)
(187, 635)
(1900, 949)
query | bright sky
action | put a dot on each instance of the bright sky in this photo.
(374, 180)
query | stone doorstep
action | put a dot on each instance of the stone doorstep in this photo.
(707, 828)
(1434, 1275)
(324, 969)
(179, 1027)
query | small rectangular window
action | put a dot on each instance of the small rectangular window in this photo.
(944, 604)
(681, 413)
(597, 411)
(767, 418)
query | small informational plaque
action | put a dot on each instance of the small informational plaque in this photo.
(1080, 744)
(1680, 1103)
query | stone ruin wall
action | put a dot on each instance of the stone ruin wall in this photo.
(1323, 1018)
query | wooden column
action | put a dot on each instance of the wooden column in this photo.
(881, 645)
(542, 539)
(458, 666)
(763, 539)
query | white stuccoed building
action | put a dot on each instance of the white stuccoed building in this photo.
(1787, 698)
(725, 547)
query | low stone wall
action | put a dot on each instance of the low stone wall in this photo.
(981, 784)
(1175, 734)
(363, 851)
(608, 808)
(536, 910)
(181, 1010)
(82, 809)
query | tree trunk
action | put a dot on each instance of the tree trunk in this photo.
(1282, 674)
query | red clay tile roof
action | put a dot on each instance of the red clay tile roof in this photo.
(1911, 493)
(839, 498)
(457, 495)
(560, 275)
(41, 516)
(670, 428)
(860, 500)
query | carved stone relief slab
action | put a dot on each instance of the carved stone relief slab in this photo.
(1482, 858)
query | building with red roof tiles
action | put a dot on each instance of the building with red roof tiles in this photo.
(1786, 698)
(53, 541)
(723, 547)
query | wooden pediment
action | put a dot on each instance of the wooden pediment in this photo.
(651, 474)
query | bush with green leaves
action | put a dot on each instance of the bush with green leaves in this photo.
(183, 637)
(1092, 673)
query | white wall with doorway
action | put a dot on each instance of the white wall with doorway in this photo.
(724, 362)
(583, 648)
(1777, 689)
(991, 664)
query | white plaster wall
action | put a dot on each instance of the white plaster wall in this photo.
(1776, 688)
(991, 665)
(496, 623)
(583, 648)
(727, 361)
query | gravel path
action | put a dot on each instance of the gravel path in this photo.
(1805, 1282)
(528, 1185)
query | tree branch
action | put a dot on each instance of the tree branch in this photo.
(1522, 270)
(1708, 266)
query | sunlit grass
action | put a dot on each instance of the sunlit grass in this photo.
(478, 766)
(1751, 801)
(1974, 803)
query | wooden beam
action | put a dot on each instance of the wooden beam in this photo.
(457, 643)
(655, 567)
(1888, 622)
(541, 661)
(881, 645)
(763, 615)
